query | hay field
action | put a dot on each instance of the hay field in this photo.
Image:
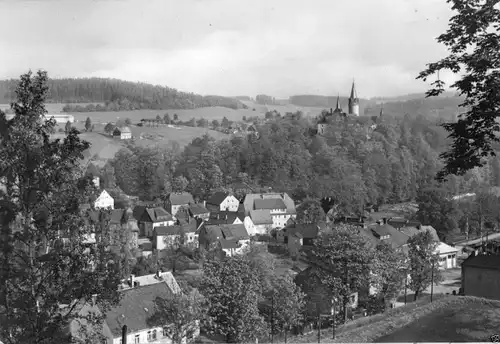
(283, 109)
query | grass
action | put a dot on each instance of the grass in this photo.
(447, 319)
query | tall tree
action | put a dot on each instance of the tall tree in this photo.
(182, 311)
(109, 128)
(88, 124)
(343, 262)
(473, 38)
(424, 262)
(231, 288)
(310, 211)
(44, 188)
(67, 127)
(388, 272)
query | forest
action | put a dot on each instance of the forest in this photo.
(396, 163)
(118, 95)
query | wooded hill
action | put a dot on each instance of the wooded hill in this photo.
(129, 95)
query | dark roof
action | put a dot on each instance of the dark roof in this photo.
(158, 214)
(382, 230)
(197, 209)
(269, 203)
(139, 211)
(147, 246)
(308, 231)
(238, 230)
(217, 198)
(261, 217)
(180, 198)
(223, 217)
(227, 244)
(397, 239)
(215, 232)
(400, 222)
(135, 308)
(168, 230)
(116, 216)
(483, 261)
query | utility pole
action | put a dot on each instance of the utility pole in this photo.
(432, 279)
(124, 334)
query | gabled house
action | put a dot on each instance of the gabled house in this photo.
(222, 201)
(225, 217)
(210, 234)
(481, 276)
(258, 222)
(104, 201)
(307, 231)
(280, 205)
(176, 200)
(122, 133)
(386, 233)
(171, 236)
(198, 211)
(152, 218)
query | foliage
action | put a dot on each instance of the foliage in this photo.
(88, 124)
(109, 128)
(473, 41)
(232, 289)
(424, 263)
(343, 262)
(388, 272)
(287, 305)
(264, 265)
(182, 312)
(310, 211)
(67, 127)
(44, 189)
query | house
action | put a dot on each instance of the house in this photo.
(167, 236)
(481, 276)
(158, 277)
(177, 200)
(146, 249)
(308, 232)
(229, 247)
(295, 243)
(225, 217)
(222, 201)
(122, 133)
(210, 234)
(104, 201)
(447, 256)
(386, 233)
(258, 222)
(152, 218)
(280, 205)
(198, 211)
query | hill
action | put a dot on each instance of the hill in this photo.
(120, 94)
(447, 319)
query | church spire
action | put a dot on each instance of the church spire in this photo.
(338, 102)
(382, 110)
(353, 101)
(354, 94)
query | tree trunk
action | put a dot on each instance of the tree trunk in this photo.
(415, 295)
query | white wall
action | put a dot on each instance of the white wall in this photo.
(158, 224)
(143, 337)
(104, 201)
(231, 203)
(279, 220)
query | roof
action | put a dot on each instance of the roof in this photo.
(225, 231)
(217, 198)
(116, 216)
(261, 217)
(228, 244)
(125, 130)
(308, 230)
(139, 211)
(238, 231)
(382, 230)
(483, 261)
(136, 306)
(165, 277)
(158, 214)
(444, 248)
(270, 203)
(197, 209)
(180, 198)
(249, 201)
(147, 246)
(167, 230)
(397, 239)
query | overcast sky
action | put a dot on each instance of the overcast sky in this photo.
(229, 47)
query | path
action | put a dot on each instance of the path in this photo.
(475, 241)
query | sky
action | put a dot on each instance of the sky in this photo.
(230, 47)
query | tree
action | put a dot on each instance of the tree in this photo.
(202, 123)
(343, 262)
(88, 124)
(215, 123)
(388, 272)
(264, 265)
(310, 211)
(67, 127)
(158, 118)
(225, 122)
(109, 128)
(232, 292)
(44, 189)
(176, 117)
(287, 305)
(182, 313)
(167, 119)
(179, 184)
(191, 122)
(423, 261)
(472, 38)
(128, 121)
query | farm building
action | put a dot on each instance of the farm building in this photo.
(123, 133)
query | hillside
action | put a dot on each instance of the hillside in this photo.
(448, 319)
(119, 95)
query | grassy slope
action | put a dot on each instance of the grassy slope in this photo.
(449, 318)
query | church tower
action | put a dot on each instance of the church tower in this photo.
(338, 108)
(353, 102)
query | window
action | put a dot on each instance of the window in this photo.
(154, 335)
(150, 336)
(137, 339)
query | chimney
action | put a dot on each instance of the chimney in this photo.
(132, 280)
(124, 334)
(384, 219)
(94, 300)
(158, 273)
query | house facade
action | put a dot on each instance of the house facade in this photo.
(123, 133)
(104, 201)
(199, 211)
(176, 200)
(280, 206)
(258, 222)
(152, 218)
(222, 201)
(447, 256)
(481, 276)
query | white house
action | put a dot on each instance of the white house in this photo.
(123, 133)
(104, 201)
(222, 201)
(154, 217)
(258, 222)
(176, 200)
(280, 205)
(447, 256)
(167, 236)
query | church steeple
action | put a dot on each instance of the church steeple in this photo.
(338, 109)
(353, 101)
(381, 110)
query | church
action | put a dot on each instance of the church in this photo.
(338, 114)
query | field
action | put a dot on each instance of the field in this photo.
(447, 319)
(283, 109)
